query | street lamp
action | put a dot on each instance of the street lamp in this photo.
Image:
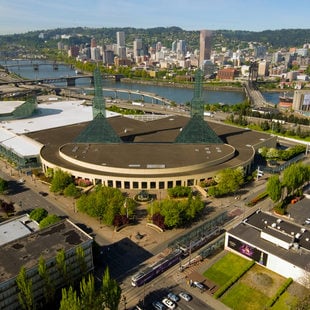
(126, 207)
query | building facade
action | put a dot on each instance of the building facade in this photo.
(26, 252)
(279, 245)
(204, 46)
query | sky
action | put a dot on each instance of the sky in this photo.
(20, 16)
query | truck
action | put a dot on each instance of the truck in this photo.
(207, 113)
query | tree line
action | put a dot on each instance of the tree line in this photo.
(77, 295)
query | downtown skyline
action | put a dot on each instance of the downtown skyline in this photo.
(19, 16)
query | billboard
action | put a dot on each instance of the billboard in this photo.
(247, 250)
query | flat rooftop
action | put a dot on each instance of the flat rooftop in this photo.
(17, 228)
(26, 250)
(143, 142)
(249, 230)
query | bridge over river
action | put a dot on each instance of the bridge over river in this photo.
(69, 80)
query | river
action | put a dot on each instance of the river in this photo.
(25, 69)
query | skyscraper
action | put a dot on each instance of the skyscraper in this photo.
(137, 48)
(120, 38)
(205, 46)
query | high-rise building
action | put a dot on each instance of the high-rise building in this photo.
(205, 46)
(137, 48)
(120, 38)
(93, 42)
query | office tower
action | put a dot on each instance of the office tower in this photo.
(93, 42)
(205, 46)
(137, 48)
(158, 46)
(120, 38)
(95, 53)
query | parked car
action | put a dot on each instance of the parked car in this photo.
(199, 285)
(169, 303)
(158, 305)
(43, 194)
(185, 296)
(173, 297)
(307, 221)
(295, 200)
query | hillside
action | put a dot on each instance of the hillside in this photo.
(232, 39)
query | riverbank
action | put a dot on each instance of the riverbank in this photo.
(189, 85)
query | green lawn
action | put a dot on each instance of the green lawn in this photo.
(241, 296)
(221, 271)
(285, 302)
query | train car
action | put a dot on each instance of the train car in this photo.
(157, 267)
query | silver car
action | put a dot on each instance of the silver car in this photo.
(185, 296)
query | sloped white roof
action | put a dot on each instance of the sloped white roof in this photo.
(9, 106)
(48, 115)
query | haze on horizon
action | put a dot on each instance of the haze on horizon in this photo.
(20, 16)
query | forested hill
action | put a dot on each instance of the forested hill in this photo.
(230, 38)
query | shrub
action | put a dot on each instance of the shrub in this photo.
(38, 214)
(49, 220)
(120, 220)
(257, 199)
(8, 208)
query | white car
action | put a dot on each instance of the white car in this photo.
(169, 303)
(185, 296)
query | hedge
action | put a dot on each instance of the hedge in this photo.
(233, 280)
(280, 291)
(257, 199)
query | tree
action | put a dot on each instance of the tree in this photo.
(49, 289)
(80, 256)
(274, 188)
(110, 292)
(104, 203)
(69, 300)
(25, 294)
(7, 207)
(88, 293)
(229, 180)
(38, 214)
(60, 181)
(171, 212)
(295, 176)
(62, 265)
(3, 185)
(49, 220)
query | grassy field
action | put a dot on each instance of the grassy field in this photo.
(225, 269)
(241, 296)
(253, 290)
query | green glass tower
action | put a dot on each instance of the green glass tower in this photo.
(197, 130)
(99, 129)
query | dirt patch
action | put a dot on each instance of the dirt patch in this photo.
(263, 280)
